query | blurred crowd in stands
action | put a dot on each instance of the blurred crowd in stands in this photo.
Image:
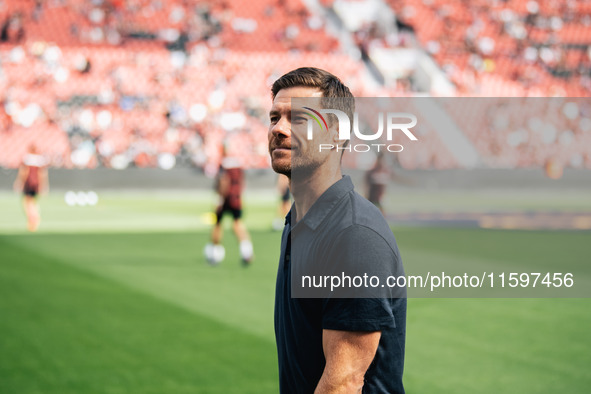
(146, 83)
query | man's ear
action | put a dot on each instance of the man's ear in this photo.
(335, 137)
(334, 130)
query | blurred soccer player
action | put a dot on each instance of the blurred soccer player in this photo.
(229, 185)
(377, 179)
(284, 204)
(31, 180)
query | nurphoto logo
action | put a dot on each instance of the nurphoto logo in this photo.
(394, 123)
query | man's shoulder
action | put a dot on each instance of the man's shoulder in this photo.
(358, 220)
(366, 214)
(350, 213)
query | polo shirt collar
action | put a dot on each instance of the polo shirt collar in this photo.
(326, 203)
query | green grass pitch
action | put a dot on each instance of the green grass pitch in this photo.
(117, 298)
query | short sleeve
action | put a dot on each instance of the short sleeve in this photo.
(357, 314)
(363, 263)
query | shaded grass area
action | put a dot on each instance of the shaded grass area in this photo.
(171, 267)
(64, 330)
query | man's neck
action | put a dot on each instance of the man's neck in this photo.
(306, 191)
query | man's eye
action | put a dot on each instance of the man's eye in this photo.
(299, 119)
(274, 119)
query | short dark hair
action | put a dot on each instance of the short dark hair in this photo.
(336, 95)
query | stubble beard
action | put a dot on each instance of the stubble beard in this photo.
(301, 163)
(282, 168)
(296, 165)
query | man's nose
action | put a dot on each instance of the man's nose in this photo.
(282, 128)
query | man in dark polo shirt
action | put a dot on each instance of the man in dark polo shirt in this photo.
(338, 341)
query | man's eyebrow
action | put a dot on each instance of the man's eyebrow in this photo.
(294, 111)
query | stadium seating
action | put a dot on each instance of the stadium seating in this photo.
(98, 81)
